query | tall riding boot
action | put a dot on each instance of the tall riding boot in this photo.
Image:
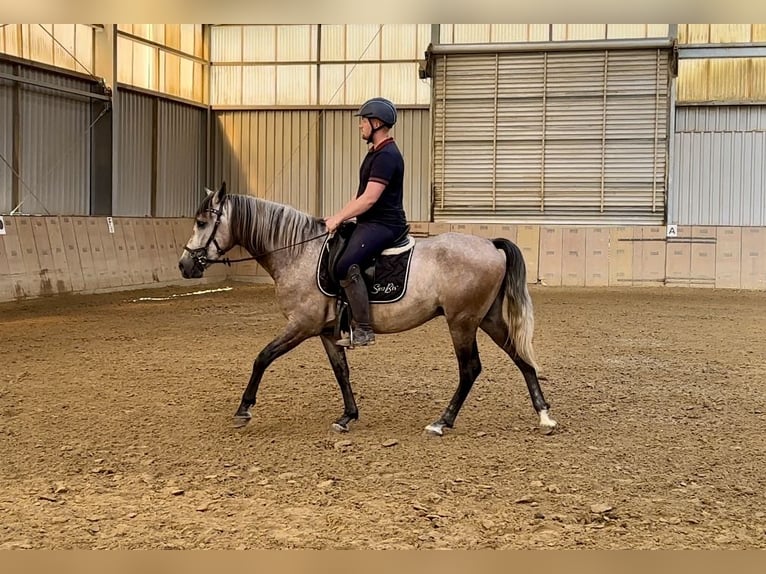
(356, 292)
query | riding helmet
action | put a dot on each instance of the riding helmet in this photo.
(379, 108)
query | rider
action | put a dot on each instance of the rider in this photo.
(378, 207)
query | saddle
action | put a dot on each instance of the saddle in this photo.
(385, 276)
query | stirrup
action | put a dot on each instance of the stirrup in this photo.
(348, 340)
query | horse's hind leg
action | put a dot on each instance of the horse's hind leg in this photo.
(495, 325)
(467, 351)
(337, 356)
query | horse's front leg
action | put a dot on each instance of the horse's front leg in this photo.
(293, 336)
(337, 356)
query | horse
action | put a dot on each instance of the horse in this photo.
(474, 282)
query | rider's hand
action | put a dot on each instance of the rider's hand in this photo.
(332, 223)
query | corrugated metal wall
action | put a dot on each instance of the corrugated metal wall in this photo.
(133, 189)
(312, 162)
(153, 68)
(34, 42)
(719, 172)
(722, 80)
(181, 154)
(181, 148)
(484, 33)
(55, 146)
(268, 65)
(6, 140)
(269, 154)
(720, 33)
(728, 80)
(343, 150)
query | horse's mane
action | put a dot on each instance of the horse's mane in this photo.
(260, 225)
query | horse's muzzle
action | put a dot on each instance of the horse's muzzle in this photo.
(190, 267)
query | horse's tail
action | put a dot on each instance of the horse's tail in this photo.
(518, 303)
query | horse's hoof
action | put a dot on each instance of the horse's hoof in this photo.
(340, 427)
(547, 424)
(435, 429)
(241, 420)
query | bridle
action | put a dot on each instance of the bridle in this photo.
(199, 255)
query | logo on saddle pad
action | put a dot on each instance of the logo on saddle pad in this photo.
(386, 277)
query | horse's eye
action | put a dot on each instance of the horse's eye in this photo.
(201, 224)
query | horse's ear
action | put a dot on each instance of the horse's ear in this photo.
(221, 193)
(208, 192)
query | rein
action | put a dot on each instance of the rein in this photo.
(228, 261)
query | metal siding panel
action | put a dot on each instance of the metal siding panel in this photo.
(9, 39)
(6, 140)
(181, 161)
(226, 83)
(226, 43)
(145, 73)
(40, 43)
(510, 32)
(720, 170)
(363, 83)
(269, 154)
(473, 33)
(398, 83)
(614, 31)
(258, 83)
(333, 42)
(362, 43)
(55, 147)
(400, 42)
(470, 33)
(169, 74)
(294, 43)
(259, 44)
(332, 85)
(186, 80)
(694, 33)
(132, 196)
(585, 32)
(758, 33)
(412, 133)
(124, 61)
(727, 33)
(64, 45)
(757, 72)
(344, 151)
(296, 85)
(728, 79)
(723, 79)
(186, 34)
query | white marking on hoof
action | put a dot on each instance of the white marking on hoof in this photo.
(339, 428)
(435, 429)
(240, 421)
(546, 422)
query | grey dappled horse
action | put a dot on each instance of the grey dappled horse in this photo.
(474, 282)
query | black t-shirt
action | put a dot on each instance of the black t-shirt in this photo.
(384, 164)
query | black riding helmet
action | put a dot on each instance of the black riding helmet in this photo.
(381, 109)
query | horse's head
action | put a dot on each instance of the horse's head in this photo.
(211, 237)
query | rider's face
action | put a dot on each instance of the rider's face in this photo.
(365, 127)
